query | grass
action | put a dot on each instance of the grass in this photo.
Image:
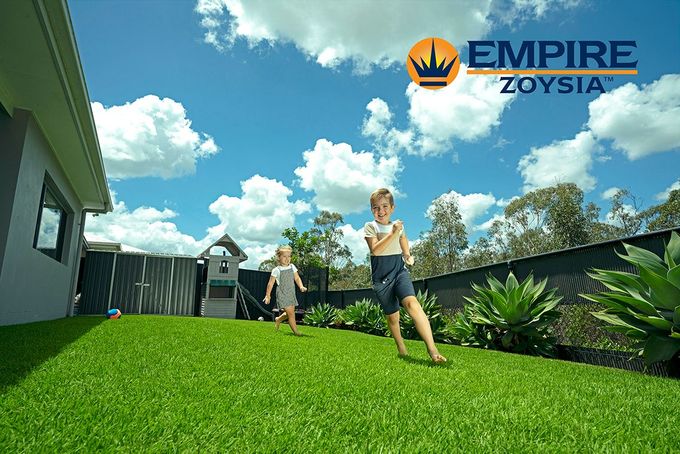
(145, 383)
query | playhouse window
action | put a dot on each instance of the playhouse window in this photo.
(224, 267)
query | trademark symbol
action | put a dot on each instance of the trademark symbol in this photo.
(608, 79)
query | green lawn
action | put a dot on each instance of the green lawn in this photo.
(195, 384)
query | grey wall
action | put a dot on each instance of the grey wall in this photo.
(12, 134)
(33, 286)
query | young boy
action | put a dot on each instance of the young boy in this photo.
(391, 280)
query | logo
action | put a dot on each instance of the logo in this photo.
(553, 66)
(433, 63)
(562, 67)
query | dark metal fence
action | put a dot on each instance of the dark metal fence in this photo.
(564, 269)
(315, 279)
(611, 358)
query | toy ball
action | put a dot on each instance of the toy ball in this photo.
(113, 313)
(260, 319)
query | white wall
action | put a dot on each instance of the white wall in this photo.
(33, 286)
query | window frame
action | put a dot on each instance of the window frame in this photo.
(48, 185)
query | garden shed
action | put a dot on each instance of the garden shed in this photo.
(138, 283)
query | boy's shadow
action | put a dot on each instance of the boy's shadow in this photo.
(424, 362)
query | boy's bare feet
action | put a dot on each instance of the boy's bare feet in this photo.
(403, 352)
(277, 323)
(298, 334)
(437, 358)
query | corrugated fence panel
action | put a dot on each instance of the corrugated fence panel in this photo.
(157, 275)
(566, 269)
(256, 283)
(334, 298)
(352, 296)
(182, 293)
(94, 298)
(128, 273)
(450, 288)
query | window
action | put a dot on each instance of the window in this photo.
(224, 267)
(222, 292)
(49, 232)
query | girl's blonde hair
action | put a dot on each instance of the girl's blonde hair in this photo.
(281, 249)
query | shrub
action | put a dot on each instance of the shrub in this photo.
(645, 307)
(470, 334)
(577, 327)
(321, 315)
(366, 317)
(434, 314)
(512, 317)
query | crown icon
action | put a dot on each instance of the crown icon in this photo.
(432, 71)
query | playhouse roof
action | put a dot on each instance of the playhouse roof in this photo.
(230, 245)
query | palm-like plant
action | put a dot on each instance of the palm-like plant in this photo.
(365, 316)
(646, 307)
(433, 311)
(512, 317)
(321, 315)
(470, 334)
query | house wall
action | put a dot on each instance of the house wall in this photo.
(33, 286)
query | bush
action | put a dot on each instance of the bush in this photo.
(470, 334)
(321, 315)
(366, 317)
(434, 314)
(644, 306)
(512, 317)
(577, 327)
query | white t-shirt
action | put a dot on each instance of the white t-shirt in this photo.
(373, 229)
(276, 272)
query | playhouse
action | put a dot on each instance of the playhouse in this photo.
(221, 259)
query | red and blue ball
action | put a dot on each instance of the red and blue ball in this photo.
(113, 313)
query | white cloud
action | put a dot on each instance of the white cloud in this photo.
(261, 213)
(149, 137)
(355, 241)
(486, 225)
(639, 121)
(255, 221)
(470, 206)
(565, 161)
(609, 193)
(514, 12)
(505, 202)
(626, 208)
(368, 33)
(342, 180)
(378, 119)
(466, 110)
(144, 228)
(663, 196)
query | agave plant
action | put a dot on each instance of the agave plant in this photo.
(513, 317)
(644, 306)
(366, 317)
(470, 334)
(321, 315)
(433, 311)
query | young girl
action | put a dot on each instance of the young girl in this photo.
(286, 276)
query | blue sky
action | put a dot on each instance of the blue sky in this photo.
(247, 117)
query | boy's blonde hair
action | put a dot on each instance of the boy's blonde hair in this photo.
(280, 249)
(380, 193)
